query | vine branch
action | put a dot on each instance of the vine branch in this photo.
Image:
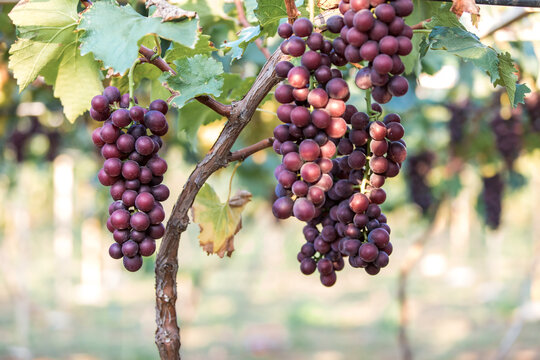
(221, 109)
(241, 112)
(292, 11)
(157, 61)
(242, 154)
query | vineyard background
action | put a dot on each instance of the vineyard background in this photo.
(62, 297)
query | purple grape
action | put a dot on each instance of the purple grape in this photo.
(303, 209)
(115, 251)
(133, 263)
(398, 86)
(112, 94)
(283, 207)
(147, 247)
(285, 30)
(121, 118)
(100, 103)
(160, 192)
(302, 27)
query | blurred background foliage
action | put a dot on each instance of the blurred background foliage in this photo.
(468, 198)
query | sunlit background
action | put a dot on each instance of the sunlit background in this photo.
(471, 292)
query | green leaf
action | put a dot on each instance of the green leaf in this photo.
(112, 33)
(251, 5)
(77, 80)
(198, 75)
(177, 51)
(245, 37)
(53, 13)
(442, 16)
(218, 221)
(269, 13)
(467, 46)
(508, 79)
(48, 46)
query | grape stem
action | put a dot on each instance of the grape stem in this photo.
(242, 154)
(157, 61)
(231, 180)
(421, 24)
(422, 31)
(132, 82)
(221, 109)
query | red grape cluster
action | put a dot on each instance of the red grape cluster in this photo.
(129, 140)
(335, 159)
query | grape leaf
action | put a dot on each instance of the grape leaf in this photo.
(117, 46)
(245, 37)
(442, 16)
(467, 46)
(269, 13)
(508, 79)
(78, 79)
(177, 51)
(251, 5)
(197, 75)
(47, 45)
(218, 221)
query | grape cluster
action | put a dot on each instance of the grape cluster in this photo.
(492, 197)
(508, 135)
(418, 168)
(335, 159)
(129, 140)
(460, 114)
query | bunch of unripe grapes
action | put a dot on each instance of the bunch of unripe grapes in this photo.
(335, 159)
(129, 140)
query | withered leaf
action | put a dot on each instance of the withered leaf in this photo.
(219, 222)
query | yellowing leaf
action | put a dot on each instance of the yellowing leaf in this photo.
(218, 221)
